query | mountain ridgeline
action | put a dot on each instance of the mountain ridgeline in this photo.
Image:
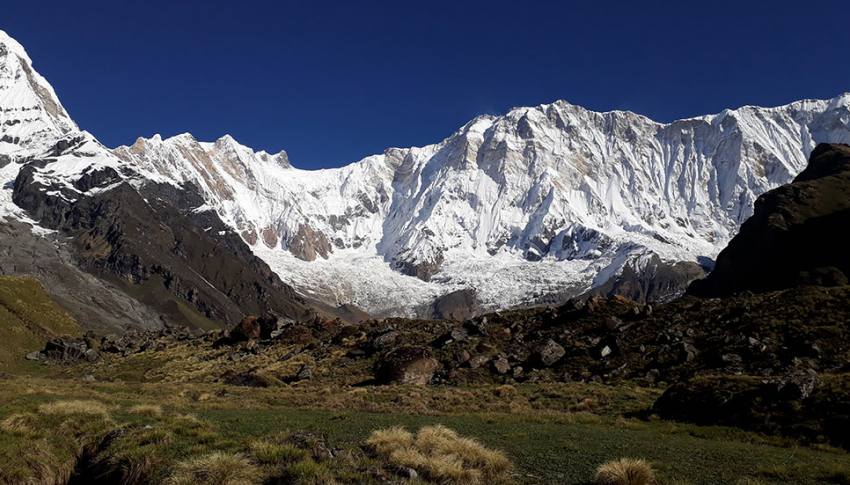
(533, 207)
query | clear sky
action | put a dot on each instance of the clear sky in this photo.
(331, 82)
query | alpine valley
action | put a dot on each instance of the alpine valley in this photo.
(535, 297)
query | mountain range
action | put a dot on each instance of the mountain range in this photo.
(535, 206)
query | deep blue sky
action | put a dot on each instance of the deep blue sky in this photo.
(331, 82)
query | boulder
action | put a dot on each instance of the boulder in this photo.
(251, 378)
(304, 373)
(548, 353)
(407, 365)
(384, 340)
(65, 350)
(247, 329)
(501, 365)
(297, 334)
(798, 385)
(477, 361)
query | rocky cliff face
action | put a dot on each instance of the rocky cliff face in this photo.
(795, 237)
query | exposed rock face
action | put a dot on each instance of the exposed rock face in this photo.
(797, 235)
(423, 270)
(155, 251)
(407, 365)
(98, 304)
(307, 244)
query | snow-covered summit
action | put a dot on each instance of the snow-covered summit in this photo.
(35, 125)
(556, 195)
(31, 114)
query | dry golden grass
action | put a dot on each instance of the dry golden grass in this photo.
(45, 466)
(18, 423)
(385, 441)
(441, 455)
(74, 407)
(215, 469)
(153, 410)
(625, 471)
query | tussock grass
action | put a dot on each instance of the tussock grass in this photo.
(152, 410)
(18, 423)
(76, 406)
(267, 452)
(625, 471)
(385, 441)
(440, 454)
(216, 468)
(308, 472)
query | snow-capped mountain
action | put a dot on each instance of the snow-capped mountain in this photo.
(114, 242)
(546, 200)
(540, 200)
(30, 113)
(34, 124)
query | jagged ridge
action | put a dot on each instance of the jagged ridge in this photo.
(542, 200)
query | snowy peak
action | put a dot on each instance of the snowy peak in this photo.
(547, 200)
(529, 203)
(31, 117)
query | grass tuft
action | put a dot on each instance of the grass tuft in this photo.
(216, 468)
(625, 471)
(441, 455)
(385, 441)
(18, 423)
(74, 407)
(269, 453)
(152, 410)
(308, 472)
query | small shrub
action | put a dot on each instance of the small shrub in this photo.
(625, 471)
(152, 410)
(440, 454)
(215, 469)
(74, 407)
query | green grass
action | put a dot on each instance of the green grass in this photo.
(28, 318)
(546, 447)
(555, 450)
(553, 432)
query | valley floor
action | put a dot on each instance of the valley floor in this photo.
(64, 429)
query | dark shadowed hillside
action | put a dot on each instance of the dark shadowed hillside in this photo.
(797, 235)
